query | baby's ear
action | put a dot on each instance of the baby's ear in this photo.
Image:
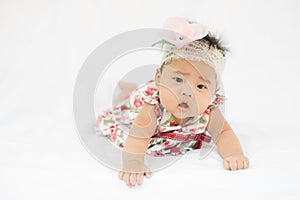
(157, 75)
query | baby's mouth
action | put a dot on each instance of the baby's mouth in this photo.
(183, 105)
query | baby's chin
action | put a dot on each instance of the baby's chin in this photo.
(184, 116)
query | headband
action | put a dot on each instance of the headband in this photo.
(182, 39)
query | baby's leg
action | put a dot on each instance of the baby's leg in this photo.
(126, 89)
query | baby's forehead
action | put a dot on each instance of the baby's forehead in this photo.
(192, 67)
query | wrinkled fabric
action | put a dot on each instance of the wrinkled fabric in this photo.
(115, 123)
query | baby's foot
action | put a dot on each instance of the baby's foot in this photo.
(126, 89)
(127, 86)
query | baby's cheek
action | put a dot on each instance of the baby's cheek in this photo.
(167, 97)
(203, 102)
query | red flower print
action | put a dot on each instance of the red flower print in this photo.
(121, 144)
(165, 144)
(113, 137)
(207, 111)
(218, 100)
(105, 112)
(124, 107)
(138, 102)
(113, 133)
(192, 131)
(160, 129)
(173, 123)
(201, 127)
(112, 127)
(155, 153)
(150, 90)
(175, 150)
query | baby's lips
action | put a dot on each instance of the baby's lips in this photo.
(184, 104)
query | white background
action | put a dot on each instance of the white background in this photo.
(42, 47)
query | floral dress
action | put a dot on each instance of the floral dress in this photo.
(169, 137)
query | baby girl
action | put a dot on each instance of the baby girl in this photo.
(177, 111)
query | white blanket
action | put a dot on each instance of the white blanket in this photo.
(44, 44)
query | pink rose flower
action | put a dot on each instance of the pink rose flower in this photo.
(181, 32)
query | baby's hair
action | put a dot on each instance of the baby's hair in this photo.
(213, 42)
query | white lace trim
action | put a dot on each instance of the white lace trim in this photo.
(197, 51)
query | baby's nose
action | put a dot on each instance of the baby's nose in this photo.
(186, 93)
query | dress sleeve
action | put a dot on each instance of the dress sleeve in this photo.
(219, 100)
(147, 93)
(153, 99)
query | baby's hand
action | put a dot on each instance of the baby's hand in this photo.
(135, 174)
(235, 162)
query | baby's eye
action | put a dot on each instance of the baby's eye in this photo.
(178, 80)
(200, 86)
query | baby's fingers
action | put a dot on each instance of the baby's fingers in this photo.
(121, 174)
(226, 164)
(233, 164)
(139, 178)
(240, 164)
(147, 172)
(126, 179)
(246, 163)
(236, 163)
(133, 178)
(230, 164)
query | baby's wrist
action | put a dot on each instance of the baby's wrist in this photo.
(234, 154)
(132, 161)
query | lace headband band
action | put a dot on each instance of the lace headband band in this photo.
(197, 51)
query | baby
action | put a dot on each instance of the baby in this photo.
(177, 111)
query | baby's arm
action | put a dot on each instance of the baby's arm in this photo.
(136, 146)
(228, 144)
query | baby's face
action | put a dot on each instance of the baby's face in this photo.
(186, 87)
